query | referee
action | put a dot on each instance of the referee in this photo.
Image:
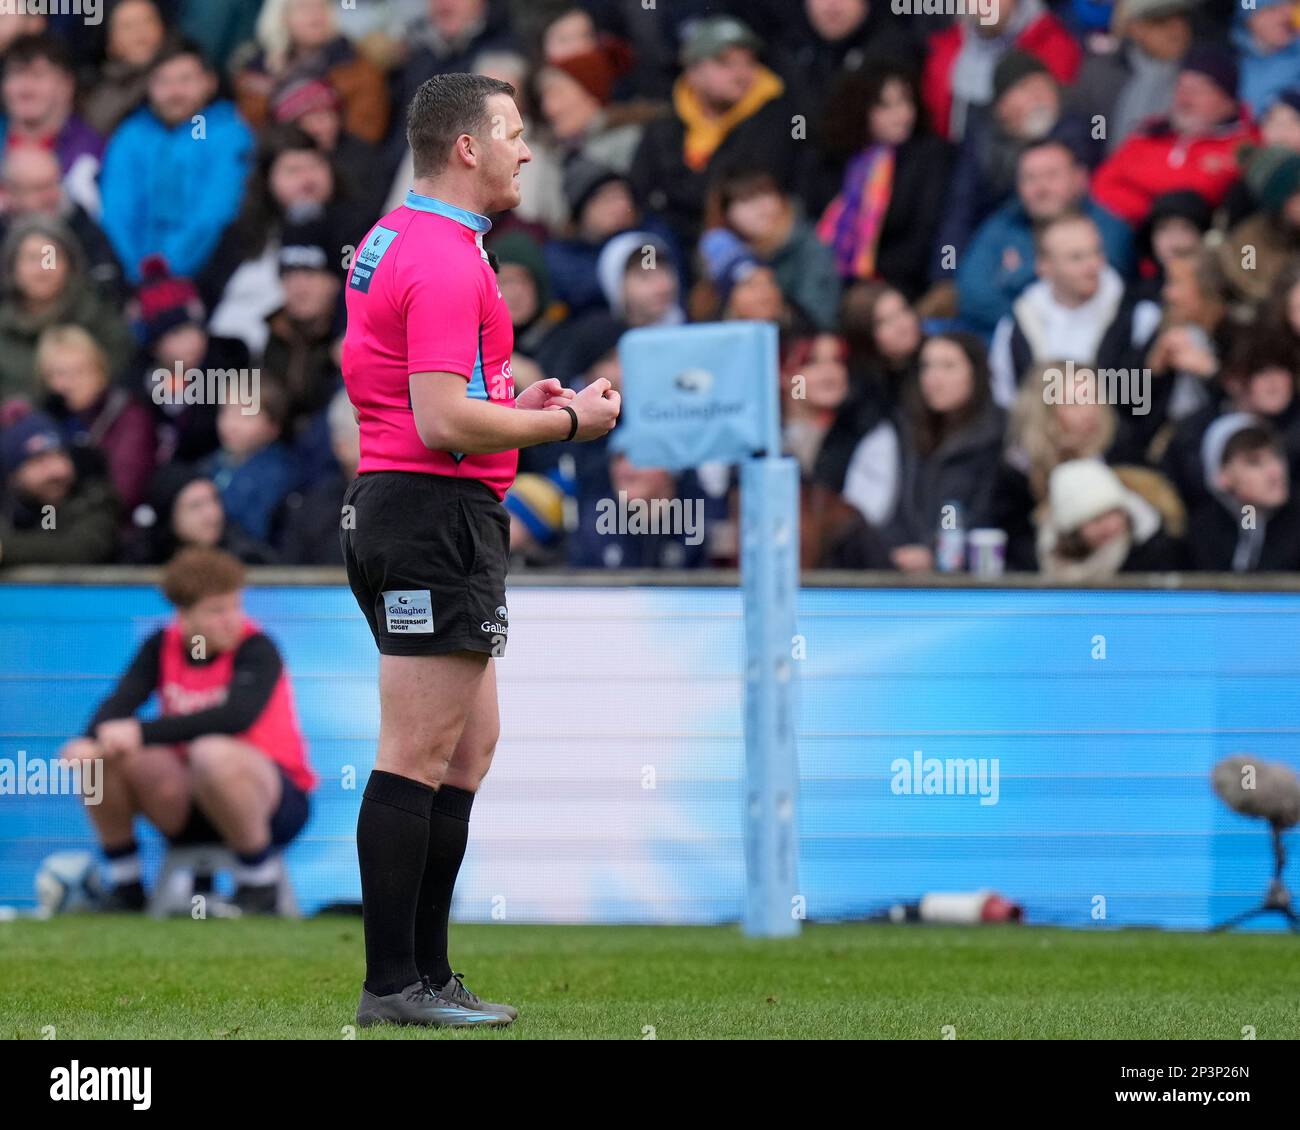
(425, 537)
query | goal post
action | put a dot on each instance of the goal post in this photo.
(710, 393)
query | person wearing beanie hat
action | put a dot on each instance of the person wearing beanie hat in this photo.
(595, 71)
(314, 105)
(727, 261)
(1250, 521)
(525, 283)
(306, 247)
(1028, 106)
(1175, 226)
(1258, 249)
(519, 249)
(574, 98)
(715, 35)
(300, 340)
(1125, 12)
(1028, 109)
(729, 111)
(1272, 175)
(1267, 43)
(601, 206)
(1195, 147)
(1280, 123)
(44, 284)
(583, 178)
(1094, 527)
(32, 434)
(1012, 68)
(184, 510)
(172, 321)
(1258, 378)
(38, 474)
(1135, 80)
(1215, 63)
(640, 281)
(1174, 229)
(299, 39)
(294, 102)
(164, 302)
(957, 80)
(543, 326)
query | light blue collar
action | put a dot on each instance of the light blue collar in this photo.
(471, 220)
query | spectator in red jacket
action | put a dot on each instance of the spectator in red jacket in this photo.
(1194, 148)
(958, 75)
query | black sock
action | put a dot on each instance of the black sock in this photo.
(448, 833)
(392, 840)
(123, 865)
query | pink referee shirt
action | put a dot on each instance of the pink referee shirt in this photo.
(422, 298)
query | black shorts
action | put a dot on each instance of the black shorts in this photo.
(286, 821)
(426, 557)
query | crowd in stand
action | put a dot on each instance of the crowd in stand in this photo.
(1037, 266)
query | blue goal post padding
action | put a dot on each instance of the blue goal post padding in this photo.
(698, 394)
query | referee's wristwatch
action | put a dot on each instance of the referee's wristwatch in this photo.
(573, 429)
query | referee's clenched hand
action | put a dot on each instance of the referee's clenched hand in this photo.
(597, 407)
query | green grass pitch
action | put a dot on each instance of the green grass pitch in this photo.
(102, 977)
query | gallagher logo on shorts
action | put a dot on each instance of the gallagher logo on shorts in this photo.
(408, 611)
(499, 628)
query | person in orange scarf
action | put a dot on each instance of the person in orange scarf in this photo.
(728, 111)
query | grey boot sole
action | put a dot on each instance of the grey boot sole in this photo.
(429, 1013)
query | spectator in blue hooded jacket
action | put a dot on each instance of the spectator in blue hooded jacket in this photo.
(999, 263)
(175, 170)
(1268, 51)
(254, 470)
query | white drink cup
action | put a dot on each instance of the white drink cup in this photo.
(988, 552)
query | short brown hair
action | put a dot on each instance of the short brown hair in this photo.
(197, 573)
(1070, 216)
(1257, 437)
(443, 108)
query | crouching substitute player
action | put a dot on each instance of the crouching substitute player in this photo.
(225, 762)
(425, 536)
